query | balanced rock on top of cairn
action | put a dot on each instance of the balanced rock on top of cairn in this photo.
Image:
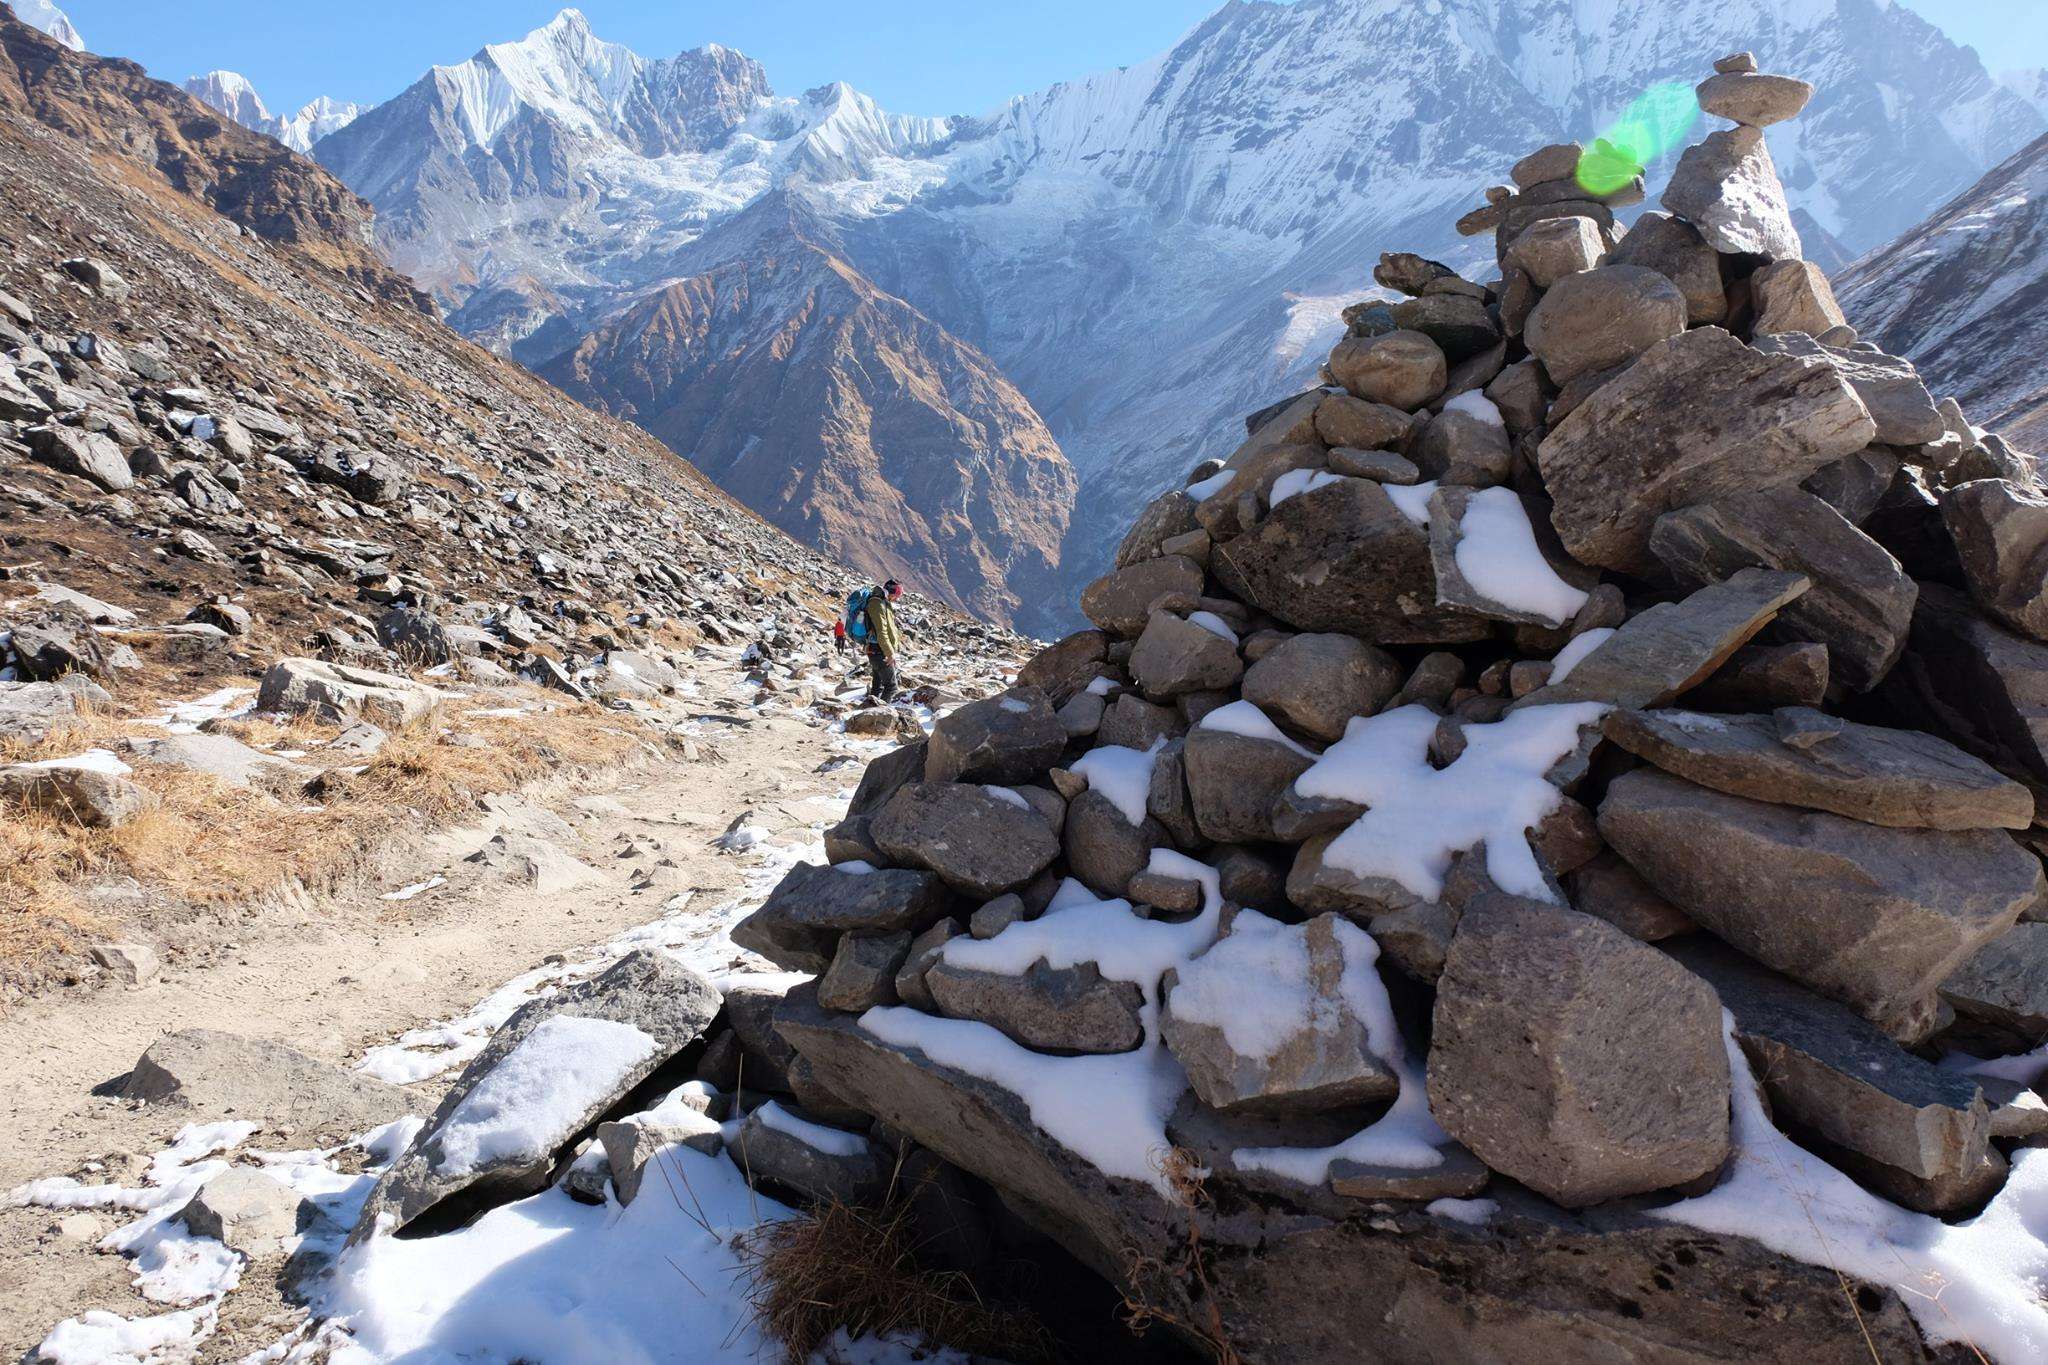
(1602, 652)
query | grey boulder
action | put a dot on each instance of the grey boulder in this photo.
(1011, 737)
(1316, 683)
(977, 842)
(666, 1002)
(1323, 1062)
(1598, 319)
(2000, 530)
(1574, 1058)
(1700, 416)
(1875, 918)
(1861, 603)
(1727, 187)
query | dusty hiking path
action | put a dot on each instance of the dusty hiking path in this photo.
(361, 970)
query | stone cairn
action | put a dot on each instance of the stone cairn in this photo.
(1600, 649)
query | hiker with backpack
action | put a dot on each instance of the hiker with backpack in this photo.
(871, 622)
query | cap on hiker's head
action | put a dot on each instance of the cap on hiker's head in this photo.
(893, 588)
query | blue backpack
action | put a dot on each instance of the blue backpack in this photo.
(857, 612)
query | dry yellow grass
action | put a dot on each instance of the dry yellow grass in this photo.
(209, 844)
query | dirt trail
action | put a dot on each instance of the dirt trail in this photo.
(363, 970)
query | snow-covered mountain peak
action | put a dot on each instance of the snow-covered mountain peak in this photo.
(51, 20)
(232, 93)
(235, 95)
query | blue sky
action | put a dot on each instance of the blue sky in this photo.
(923, 58)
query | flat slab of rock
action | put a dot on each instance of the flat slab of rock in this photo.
(2005, 983)
(798, 925)
(1901, 778)
(1344, 558)
(1311, 1286)
(591, 1043)
(976, 841)
(1051, 1009)
(224, 757)
(819, 1163)
(1898, 400)
(343, 692)
(1660, 654)
(1861, 603)
(1827, 1069)
(226, 1076)
(1875, 918)
(1700, 416)
(1307, 1049)
(1012, 737)
(1574, 1058)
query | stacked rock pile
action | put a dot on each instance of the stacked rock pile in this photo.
(1615, 689)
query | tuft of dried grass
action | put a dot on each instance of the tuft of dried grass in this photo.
(841, 1265)
(205, 843)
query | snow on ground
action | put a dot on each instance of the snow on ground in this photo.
(92, 761)
(1977, 1282)
(549, 1279)
(542, 1278)
(185, 717)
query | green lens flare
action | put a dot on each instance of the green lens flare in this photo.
(1657, 121)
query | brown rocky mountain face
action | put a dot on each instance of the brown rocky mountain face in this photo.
(244, 176)
(843, 415)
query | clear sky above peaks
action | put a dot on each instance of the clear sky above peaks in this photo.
(916, 58)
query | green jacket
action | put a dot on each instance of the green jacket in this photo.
(881, 615)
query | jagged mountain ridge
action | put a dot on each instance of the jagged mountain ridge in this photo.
(232, 94)
(1143, 251)
(1964, 294)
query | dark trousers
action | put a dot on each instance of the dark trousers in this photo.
(881, 673)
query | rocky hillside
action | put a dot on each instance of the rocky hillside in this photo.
(1534, 853)
(1963, 294)
(193, 409)
(1205, 210)
(841, 414)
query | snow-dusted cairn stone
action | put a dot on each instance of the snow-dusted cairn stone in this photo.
(1611, 699)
